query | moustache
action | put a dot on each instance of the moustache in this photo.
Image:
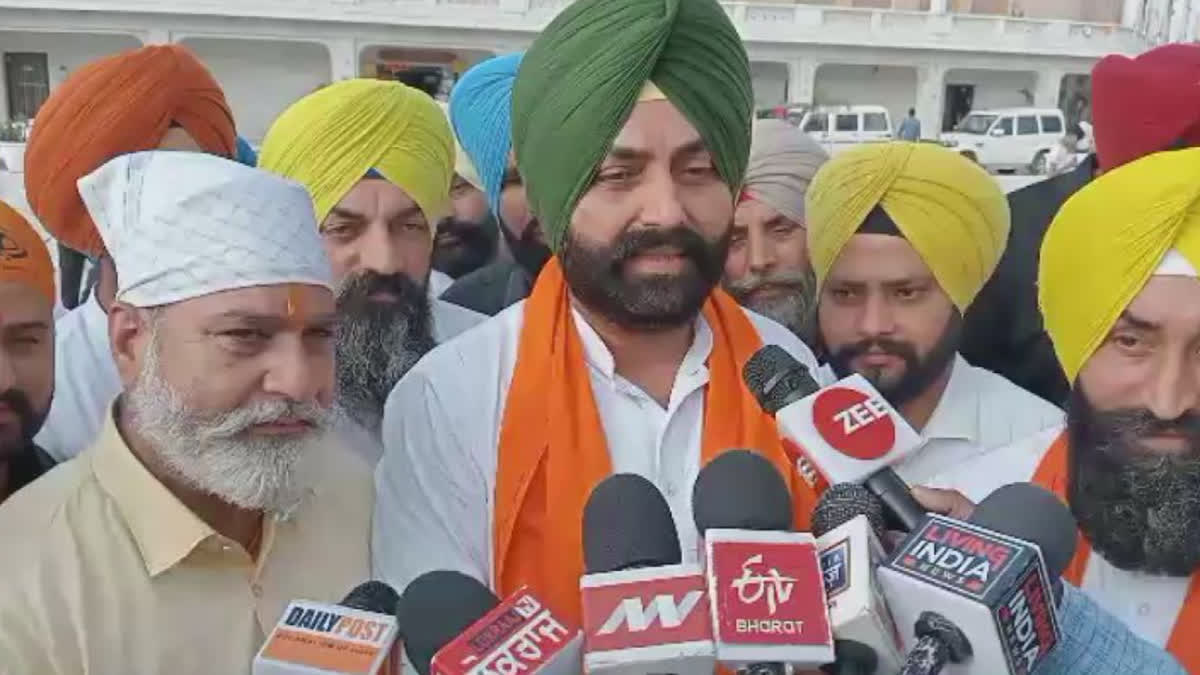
(23, 409)
(240, 420)
(360, 287)
(458, 227)
(752, 282)
(641, 240)
(892, 347)
(1135, 423)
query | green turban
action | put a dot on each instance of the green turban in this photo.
(582, 77)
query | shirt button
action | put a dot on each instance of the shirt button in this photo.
(256, 589)
(671, 490)
(1144, 609)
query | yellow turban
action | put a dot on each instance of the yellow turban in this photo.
(951, 211)
(330, 139)
(462, 161)
(1106, 243)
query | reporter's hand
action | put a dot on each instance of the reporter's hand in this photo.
(945, 502)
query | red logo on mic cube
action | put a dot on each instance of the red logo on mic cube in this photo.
(853, 423)
(646, 613)
(768, 594)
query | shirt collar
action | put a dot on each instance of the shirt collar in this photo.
(957, 413)
(598, 356)
(164, 529)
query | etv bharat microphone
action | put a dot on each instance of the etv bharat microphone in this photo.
(355, 637)
(844, 433)
(454, 625)
(767, 599)
(975, 599)
(644, 611)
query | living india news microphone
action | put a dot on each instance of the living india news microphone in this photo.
(644, 611)
(844, 433)
(848, 523)
(454, 625)
(764, 582)
(355, 637)
(972, 598)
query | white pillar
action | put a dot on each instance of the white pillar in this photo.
(939, 6)
(156, 36)
(1049, 88)
(802, 79)
(931, 99)
(343, 59)
(1131, 14)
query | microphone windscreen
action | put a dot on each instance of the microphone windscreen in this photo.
(844, 502)
(627, 524)
(777, 379)
(741, 490)
(1026, 511)
(372, 596)
(435, 608)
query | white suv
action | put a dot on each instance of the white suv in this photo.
(1013, 139)
(840, 127)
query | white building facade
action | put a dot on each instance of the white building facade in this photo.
(936, 56)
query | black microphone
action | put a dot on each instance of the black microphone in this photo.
(627, 524)
(372, 596)
(437, 607)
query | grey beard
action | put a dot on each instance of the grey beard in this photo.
(377, 344)
(795, 311)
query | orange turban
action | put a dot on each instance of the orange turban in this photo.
(116, 105)
(23, 254)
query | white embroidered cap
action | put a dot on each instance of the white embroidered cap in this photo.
(180, 225)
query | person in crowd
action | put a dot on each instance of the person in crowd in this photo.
(467, 238)
(1119, 289)
(902, 237)
(910, 127)
(213, 496)
(632, 131)
(152, 97)
(26, 349)
(1140, 106)
(1065, 155)
(768, 268)
(480, 111)
(378, 158)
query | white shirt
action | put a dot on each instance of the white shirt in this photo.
(979, 411)
(438, 283)
(86, 379)
(1146, 603)
(441, 429)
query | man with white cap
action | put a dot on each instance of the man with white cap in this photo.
(212, 496)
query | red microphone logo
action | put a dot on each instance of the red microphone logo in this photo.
(760, 598)
(854, 423)
(645, 613)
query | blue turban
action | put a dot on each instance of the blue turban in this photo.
(481, 113)
(245, 153)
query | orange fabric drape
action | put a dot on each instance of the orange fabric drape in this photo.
(553, 449)
(1183, 644)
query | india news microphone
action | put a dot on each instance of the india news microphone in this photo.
(455, 625)
(354, 637)
(978, 597)
(644, 611)
(767, 599)
(844, 433)
(849, 524)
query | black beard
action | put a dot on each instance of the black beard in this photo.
(378, 341)
(528, 250)
(655, 302)
(477, 246)
(1138, 508)
(29, 420)
(919, 373)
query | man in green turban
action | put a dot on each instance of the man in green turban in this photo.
(631, 130)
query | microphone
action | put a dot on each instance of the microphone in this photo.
(454, 625)
(768, 601)
(844, 433)
(975, 598)
(352, 638)
(643, 610)
(848, 523)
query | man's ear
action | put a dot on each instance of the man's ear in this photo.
(129, 333)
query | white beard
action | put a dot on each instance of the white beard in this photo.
(214, 453)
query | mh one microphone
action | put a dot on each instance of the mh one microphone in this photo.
(454, 625)
(844, 433)
(848, 522)
(971, 599)
(643, 610)
(355, 637)
(764, 581)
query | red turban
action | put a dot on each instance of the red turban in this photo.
(116, 105)
(1147, 104)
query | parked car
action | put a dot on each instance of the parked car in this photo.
(837, 128)
(1011, 139)
(791, 112)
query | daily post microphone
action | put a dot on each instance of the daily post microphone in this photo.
(643, 610)
(351, 638)
(974, 599)
(844, 433)
(764, 581)
(454, 625)
(848, 523)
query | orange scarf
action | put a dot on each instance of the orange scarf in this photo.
(553, 450)
(1052, 474)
